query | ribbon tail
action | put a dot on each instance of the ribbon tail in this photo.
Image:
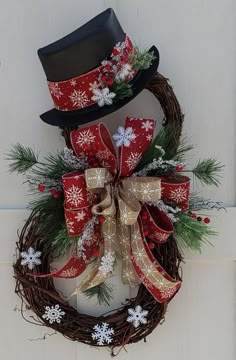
(129, 276)
(152, 275)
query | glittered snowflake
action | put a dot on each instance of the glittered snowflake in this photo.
(107, 262)
(124, 136)
(137, 316)
(53, 314)
(55, 90)
(73, 82)
(178, 195)
(133, 160)
(162, 237)
(85, 137)
(147, 191)
(103, 96)
(149, 137)
(102, 333)
(31, 258)
(80, 215)
(79, 98)
(69, 273)
(147, 125)
(74, 195)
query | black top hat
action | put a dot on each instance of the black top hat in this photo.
(94, 71)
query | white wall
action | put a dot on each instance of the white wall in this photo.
(196, 39)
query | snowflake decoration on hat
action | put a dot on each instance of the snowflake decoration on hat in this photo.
(124, 136)
(147, 125)
(79, 98)
(103, 333)
(107, 262)
(178, 195)
(74, 195)
(103, 96)
(53, 314)
(137, 316)
(85, 137)
(55, 90)
(31, 258)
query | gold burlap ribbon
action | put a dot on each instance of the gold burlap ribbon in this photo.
(120, 205)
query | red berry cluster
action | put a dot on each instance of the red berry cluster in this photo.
(108, 75)
(56, 194)
(206, 220)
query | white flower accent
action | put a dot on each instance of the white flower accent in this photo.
(124, 136)
(107, 263)
(147, 125)
(103, 333)
(178, 195)
(149, 137)
(54, 89)
(85, 137)
(80, 215)
(74, 195)
(31, 258)
(53, 313)
(79, 98)
(133, 160)
(103, 96)
(124, 73)
(137, 316)
(73, 82)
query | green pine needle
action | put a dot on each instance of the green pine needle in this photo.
(141, 59)
(63, 242)
(22, 158)
(208, 171)
(122, 91)
(103, 292)
(190, 233)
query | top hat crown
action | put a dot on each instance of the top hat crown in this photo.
(85, 59)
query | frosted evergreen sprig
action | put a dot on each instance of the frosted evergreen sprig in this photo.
(86, 237)
(159, 164)
(78, 163)
(141, 59)
(169, 210)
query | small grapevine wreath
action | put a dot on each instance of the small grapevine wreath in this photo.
(135, 206)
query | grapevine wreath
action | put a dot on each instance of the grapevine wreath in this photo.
(103, 206)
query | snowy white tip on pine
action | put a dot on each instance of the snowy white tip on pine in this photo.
(103, 333)
(53, 313)
(31, 258)
(103, 96)
(137, 316)
(124, 136)
(107, 262)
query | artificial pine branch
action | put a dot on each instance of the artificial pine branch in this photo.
(102, 291)
(190, 233)
(63, 242)
(22, 158)
(208, 171)
(141, 59)
(122, 91)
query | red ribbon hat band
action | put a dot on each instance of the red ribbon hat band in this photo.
(94, 87)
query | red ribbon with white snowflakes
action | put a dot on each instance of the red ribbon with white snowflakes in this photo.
(99, 190)
(93, 87)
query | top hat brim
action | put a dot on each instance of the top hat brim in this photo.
(94, 112)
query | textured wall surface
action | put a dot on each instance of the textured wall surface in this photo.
(196, 40)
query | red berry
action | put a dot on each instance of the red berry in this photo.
(41, 187)
(102, 240)
(95, 252)
(151, 245)
(110, 82)
(124, 59)
(146, 232)
(107, 67)
(104, 79)
(179, 168)
(101, 218)
(207, 220)
(55, 193)
(193, 215)
(115, 51)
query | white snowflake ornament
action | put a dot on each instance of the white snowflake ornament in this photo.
(53, 314)
(102, 333)
(124, 136)
(103, 96)
(137, 316)
(31, 258)
(107, 263)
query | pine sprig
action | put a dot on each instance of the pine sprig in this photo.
(22, 158)
(122, 91)
(208, 171)
(63, 242)
(103, 292)
(190, 233)
(141, 59)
